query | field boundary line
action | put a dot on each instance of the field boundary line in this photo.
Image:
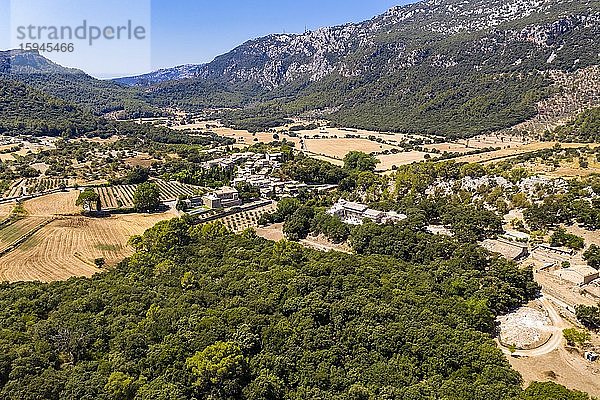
(25, 237)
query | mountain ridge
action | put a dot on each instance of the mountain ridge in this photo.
(447, 67)
(70, 84)
(423, 68)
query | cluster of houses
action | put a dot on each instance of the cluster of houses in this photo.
(248, 158)
(258, 170)
(255, 169)
(514, 246)
(356, 213)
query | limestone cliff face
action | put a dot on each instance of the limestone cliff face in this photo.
(440, 33)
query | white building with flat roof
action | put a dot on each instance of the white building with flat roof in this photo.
(355, 213)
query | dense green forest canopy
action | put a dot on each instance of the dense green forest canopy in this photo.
(27, 111)
(199, 312)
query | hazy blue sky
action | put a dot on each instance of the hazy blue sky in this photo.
(190, 31)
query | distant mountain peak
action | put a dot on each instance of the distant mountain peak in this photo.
(30, 61)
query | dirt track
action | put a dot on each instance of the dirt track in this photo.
(552, 361)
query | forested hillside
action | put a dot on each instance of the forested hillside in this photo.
(71, 85)
(585, 128)
(27, 111)
(199, 312)
(448, 67)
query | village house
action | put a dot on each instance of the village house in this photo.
(550, 255)
(508, 249)
(223, 198)
(355, 213)
(578, 274)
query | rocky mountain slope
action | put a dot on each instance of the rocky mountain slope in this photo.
(440, 66)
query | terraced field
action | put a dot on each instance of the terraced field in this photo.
(33, 186)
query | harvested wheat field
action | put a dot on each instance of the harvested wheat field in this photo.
(5, 209)
(62, 203)
(338, 148)
(68, 246)
(141, 160)
(14, 231)
(449, 147)
(388, 161)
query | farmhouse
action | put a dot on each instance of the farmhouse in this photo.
(548, 254)
(354, 213)
(223, 198)
(509, 250)
(193, 202)
(578, 274)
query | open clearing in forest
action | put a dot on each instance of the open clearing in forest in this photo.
(562, 366)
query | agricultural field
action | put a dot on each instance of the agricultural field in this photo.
(35, 186)
(121, 196)
(14, 231)
(247, 219)
(388, 161)
(68, 246)
(141, 160)
(338, 148)
(513, 151)
(61, 203)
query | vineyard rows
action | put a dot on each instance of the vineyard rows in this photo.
(34, 186)
(121, 196)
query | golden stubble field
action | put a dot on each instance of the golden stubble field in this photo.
(69, 243)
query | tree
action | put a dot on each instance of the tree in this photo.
(287, 207)
(219, 369)
(357, 160)
(297, 226)
(592, 256)
(576, 337)
(146, 197)
(551, 391)
(121, 386)
(89, 200)
(561, 238)
(589, 316)
(266, 386)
